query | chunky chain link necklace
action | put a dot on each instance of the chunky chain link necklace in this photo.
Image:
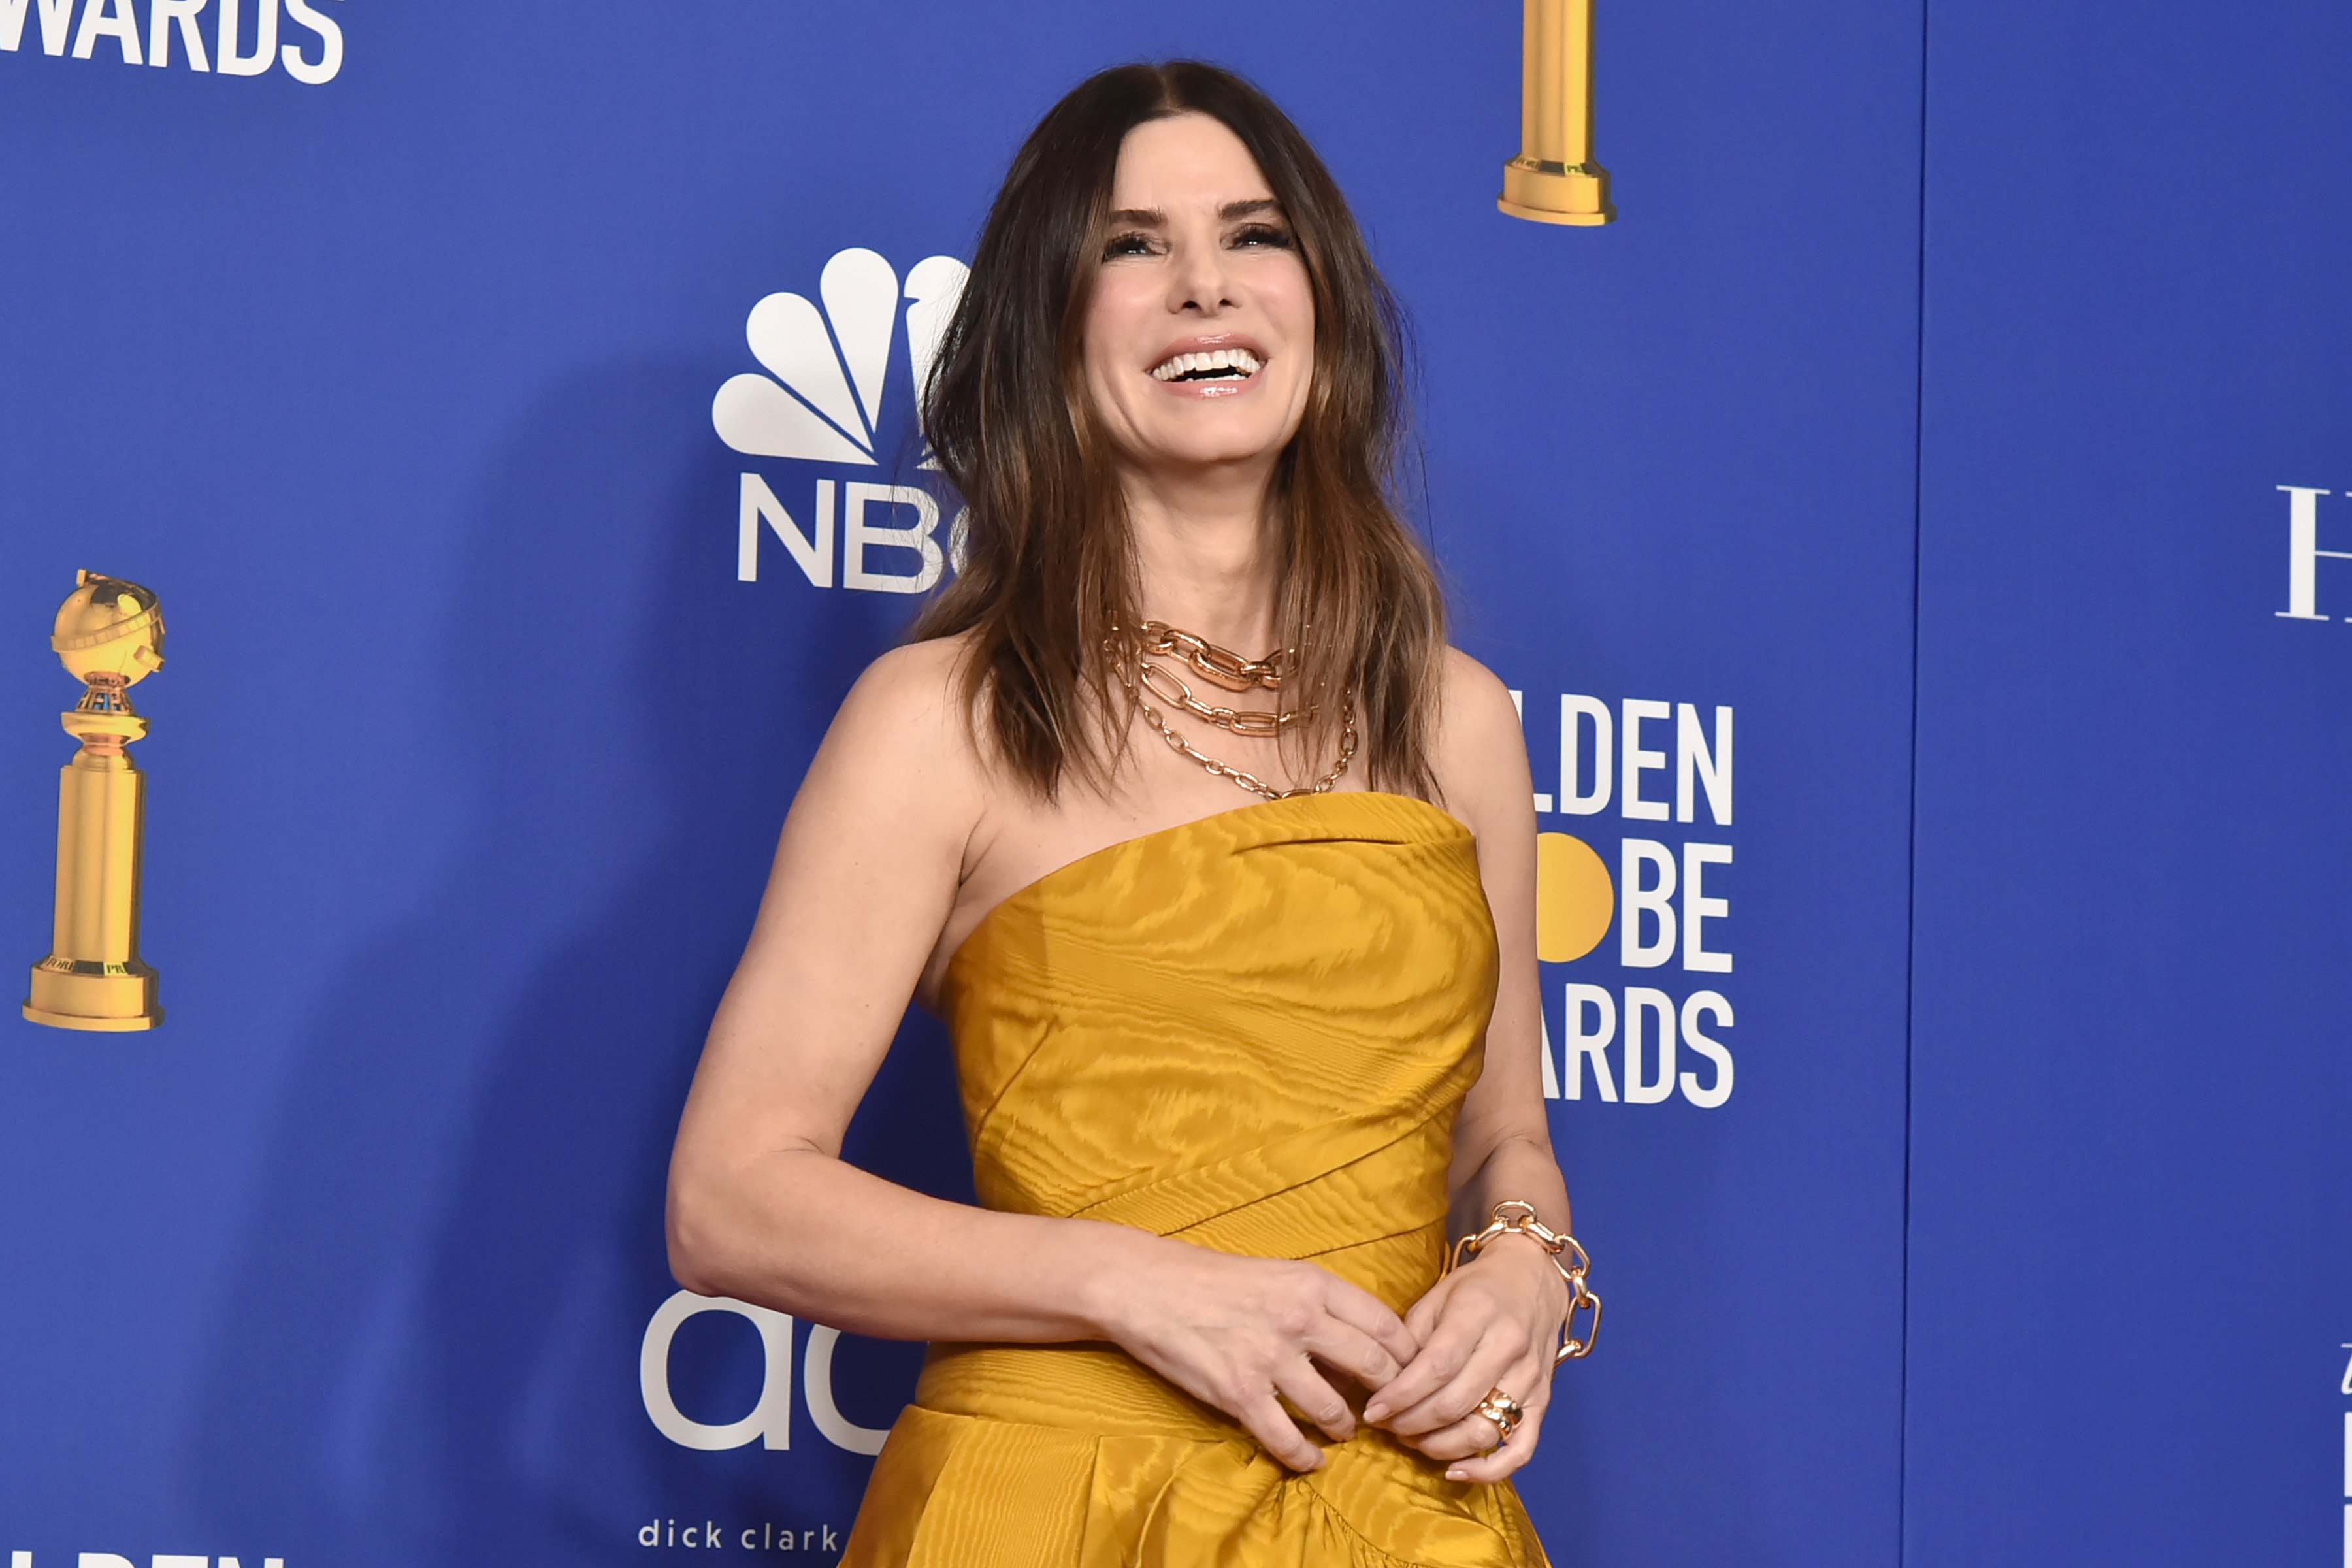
(1221, 666)
(1227, 668)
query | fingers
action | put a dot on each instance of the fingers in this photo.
(1350, 1349)
(1245, 1335)
(1446, 1351)
(1314, 1397)
(1474, 1435)
(1477, 1367)
(1495, 1463)
(1278, 1434)
(1421, 1321)
(1368, 1315)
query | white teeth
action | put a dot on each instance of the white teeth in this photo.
(1179, 366)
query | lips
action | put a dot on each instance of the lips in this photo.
(1225, 359)
(1218, 365)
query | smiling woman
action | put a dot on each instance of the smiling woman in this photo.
(1232, 1074)
(1144, 188)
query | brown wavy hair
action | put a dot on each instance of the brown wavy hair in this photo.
(1048, 567)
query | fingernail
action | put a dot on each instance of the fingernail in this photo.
(1376, 1411)
(1457, 1475)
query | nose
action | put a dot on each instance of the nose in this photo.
(1201, 281)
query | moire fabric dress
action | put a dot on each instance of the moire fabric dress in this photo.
(1250, 1033)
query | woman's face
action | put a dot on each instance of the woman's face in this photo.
(1200, 336)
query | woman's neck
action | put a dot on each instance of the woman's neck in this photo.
(1208, 556)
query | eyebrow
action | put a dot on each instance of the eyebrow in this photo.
(1152, 217)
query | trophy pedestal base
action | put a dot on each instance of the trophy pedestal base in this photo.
(1572, 194)
(110, 999)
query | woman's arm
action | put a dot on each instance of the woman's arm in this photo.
(762, 1206)
(1502, 1143)
(1494, 1322)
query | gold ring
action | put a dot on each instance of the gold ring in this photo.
(1504, 1411)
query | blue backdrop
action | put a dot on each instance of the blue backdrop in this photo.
(2130, 1291)
(1955, 1152)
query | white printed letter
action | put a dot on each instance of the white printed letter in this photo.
(1714, 1050)
(57, 24)
(1657, 901)
(265, 42)
(2303, 554)
(836, 1428)
(1641, 999)
(812, 554)
(183, 14)
(1590, 1044)
(331, 53)
(857, 535)
(115, 19)
(1696, 760)
(1574, 710)
(1698, 909)
(771, 1418)
(1639, 761)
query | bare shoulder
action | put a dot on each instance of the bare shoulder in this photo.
(911, 696)
(903, 736)
(1481, 750)
(1478, 731)
(1477, 709)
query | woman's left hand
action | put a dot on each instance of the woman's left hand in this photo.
(1492, 1323)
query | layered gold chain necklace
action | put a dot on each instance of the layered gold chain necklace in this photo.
(1221, 668)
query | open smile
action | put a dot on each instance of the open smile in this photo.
(1216, 365)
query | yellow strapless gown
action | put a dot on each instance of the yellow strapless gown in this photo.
(1251, 1031)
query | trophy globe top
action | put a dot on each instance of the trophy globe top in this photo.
(110, 633)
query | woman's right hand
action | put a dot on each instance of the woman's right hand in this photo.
(1244, 1333)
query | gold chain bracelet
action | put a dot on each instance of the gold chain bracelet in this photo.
(1512, 1217)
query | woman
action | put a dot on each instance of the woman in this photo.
(1228, 1066)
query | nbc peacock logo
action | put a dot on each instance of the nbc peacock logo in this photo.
(823, 398)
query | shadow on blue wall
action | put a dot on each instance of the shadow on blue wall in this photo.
(433, 1347)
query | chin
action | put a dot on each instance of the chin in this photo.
(1199, 446)
(1209, 455)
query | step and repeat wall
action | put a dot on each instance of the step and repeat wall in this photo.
(1919, 535)
(2131, 1108)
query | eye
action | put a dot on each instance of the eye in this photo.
(1262, 235)
(1128, 243)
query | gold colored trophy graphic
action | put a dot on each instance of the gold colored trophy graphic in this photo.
(1554, 178)
(110, 637)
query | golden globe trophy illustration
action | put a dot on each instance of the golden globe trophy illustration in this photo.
(110, 637)
(1554, 178)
